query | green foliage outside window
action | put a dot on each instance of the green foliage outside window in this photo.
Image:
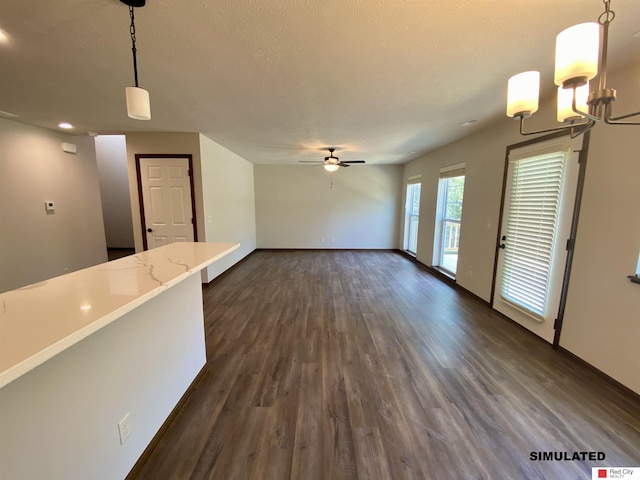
(455, 191)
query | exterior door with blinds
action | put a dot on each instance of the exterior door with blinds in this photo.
(536, 223)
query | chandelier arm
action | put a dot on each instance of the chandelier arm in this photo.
(566, 128)
(615, 120)
(576, 132)
(574, 107)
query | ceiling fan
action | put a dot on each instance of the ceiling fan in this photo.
(331, 163)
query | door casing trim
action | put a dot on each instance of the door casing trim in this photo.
(582, 162)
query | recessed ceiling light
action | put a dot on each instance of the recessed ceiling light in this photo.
(4, 36)
(65, 125)
(468, 122)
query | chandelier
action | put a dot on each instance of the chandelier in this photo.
(578, 59)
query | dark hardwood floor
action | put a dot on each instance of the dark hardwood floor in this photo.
(361, 365)
(116, 253)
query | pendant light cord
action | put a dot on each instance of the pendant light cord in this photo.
(132, 30)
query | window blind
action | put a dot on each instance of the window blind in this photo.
(531, 224)
(452, 171)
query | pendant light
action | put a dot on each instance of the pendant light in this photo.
(579, 58)
(138, 106)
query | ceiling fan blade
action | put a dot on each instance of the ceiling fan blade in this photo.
(345, 165)
(311, 161)
(354, 161)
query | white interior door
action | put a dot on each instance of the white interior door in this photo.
(536, 224)
(166, 196)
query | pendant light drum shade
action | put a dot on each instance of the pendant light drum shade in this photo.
(138, 106)
(577, 51)
(522, 94)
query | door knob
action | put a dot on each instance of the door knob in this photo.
(149, 230)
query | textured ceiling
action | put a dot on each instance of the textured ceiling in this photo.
(277, 80)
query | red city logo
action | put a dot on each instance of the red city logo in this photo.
(602, 473)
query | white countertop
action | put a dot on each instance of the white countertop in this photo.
(41, 320)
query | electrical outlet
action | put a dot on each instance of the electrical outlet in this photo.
(123, 429)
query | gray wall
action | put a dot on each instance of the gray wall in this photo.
(111, 155)
(35, 245)
(229, 203)
(296, 207)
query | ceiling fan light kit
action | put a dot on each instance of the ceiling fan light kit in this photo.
(579, 57)
(138, 104)
(331, 163)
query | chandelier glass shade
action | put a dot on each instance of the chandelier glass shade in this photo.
(565, 102)
(577, 51)
(522, 97)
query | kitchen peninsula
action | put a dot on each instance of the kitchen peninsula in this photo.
(83, 352)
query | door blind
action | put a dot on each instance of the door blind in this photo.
(531, 224)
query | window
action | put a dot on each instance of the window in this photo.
(412, 209)
(448, 218)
